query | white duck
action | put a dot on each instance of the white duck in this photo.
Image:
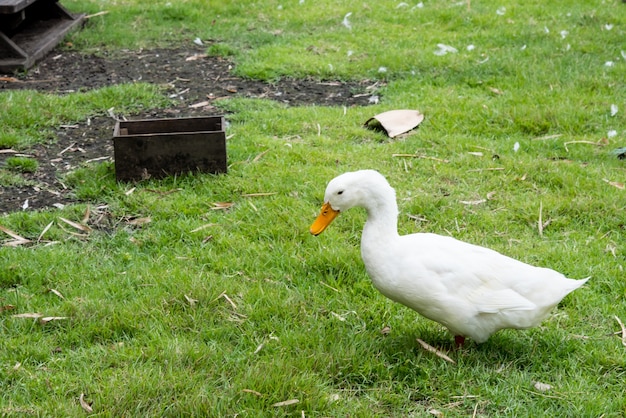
(471, 290)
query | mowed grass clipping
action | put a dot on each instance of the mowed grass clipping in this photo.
(205, 295)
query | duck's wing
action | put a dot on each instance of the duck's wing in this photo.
(484, 278)
(494, 301)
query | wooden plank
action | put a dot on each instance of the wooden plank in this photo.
(172, 125)
(42, 26)
(14, 6)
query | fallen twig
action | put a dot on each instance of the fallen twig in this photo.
(258, 157)
(421, 156)
(540, 221)
(600, 143)
(225, 296)
(200, 228)
(258, 194)
(433, 350)
(543, 138)
(485, 169)
(102, 13)
(83, 404)
(329, 286)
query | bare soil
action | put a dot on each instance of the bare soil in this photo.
(192, 79)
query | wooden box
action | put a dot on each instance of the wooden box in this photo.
(156, 148)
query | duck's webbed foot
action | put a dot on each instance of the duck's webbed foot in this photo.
(459, 340)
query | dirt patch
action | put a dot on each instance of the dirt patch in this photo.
(193, 79)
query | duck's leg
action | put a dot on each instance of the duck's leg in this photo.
(459, 340)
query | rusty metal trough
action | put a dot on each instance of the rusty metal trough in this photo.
(29, 29)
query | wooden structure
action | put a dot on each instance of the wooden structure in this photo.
(29, 29)
(156, 148)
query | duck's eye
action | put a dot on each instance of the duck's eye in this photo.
(340, 192)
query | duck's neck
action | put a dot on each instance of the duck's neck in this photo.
(382, 220)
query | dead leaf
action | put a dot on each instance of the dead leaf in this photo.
(615, 184)
(56, 292)
(80, 227)
(31, 315)
(47, 319)
(44, 231)
(6, 308)
(12, 234)
(542, 387)
(84, 404)
(195, 57)
(225, 296)
(254, 392)
(385, 331)
(15, 243)
(139, 221)
(200, 228)
(395, 122)
(495, 90)
(192, 302)
(476, 153)
(473, 202)
(339, 317)
(433, 350)
(86, 215)
(287, 403)
(199, 104)
(10, 79)
(222, 205)
(258, 157)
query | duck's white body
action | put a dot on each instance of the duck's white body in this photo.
(471, 290)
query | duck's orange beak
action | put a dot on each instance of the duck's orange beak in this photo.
(326, 216)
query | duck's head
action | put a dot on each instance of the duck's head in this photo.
(356, 188)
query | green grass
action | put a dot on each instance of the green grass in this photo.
(22, 164)
(204, 312)
(30, 117)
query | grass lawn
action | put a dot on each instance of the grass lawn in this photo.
(205, 295)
